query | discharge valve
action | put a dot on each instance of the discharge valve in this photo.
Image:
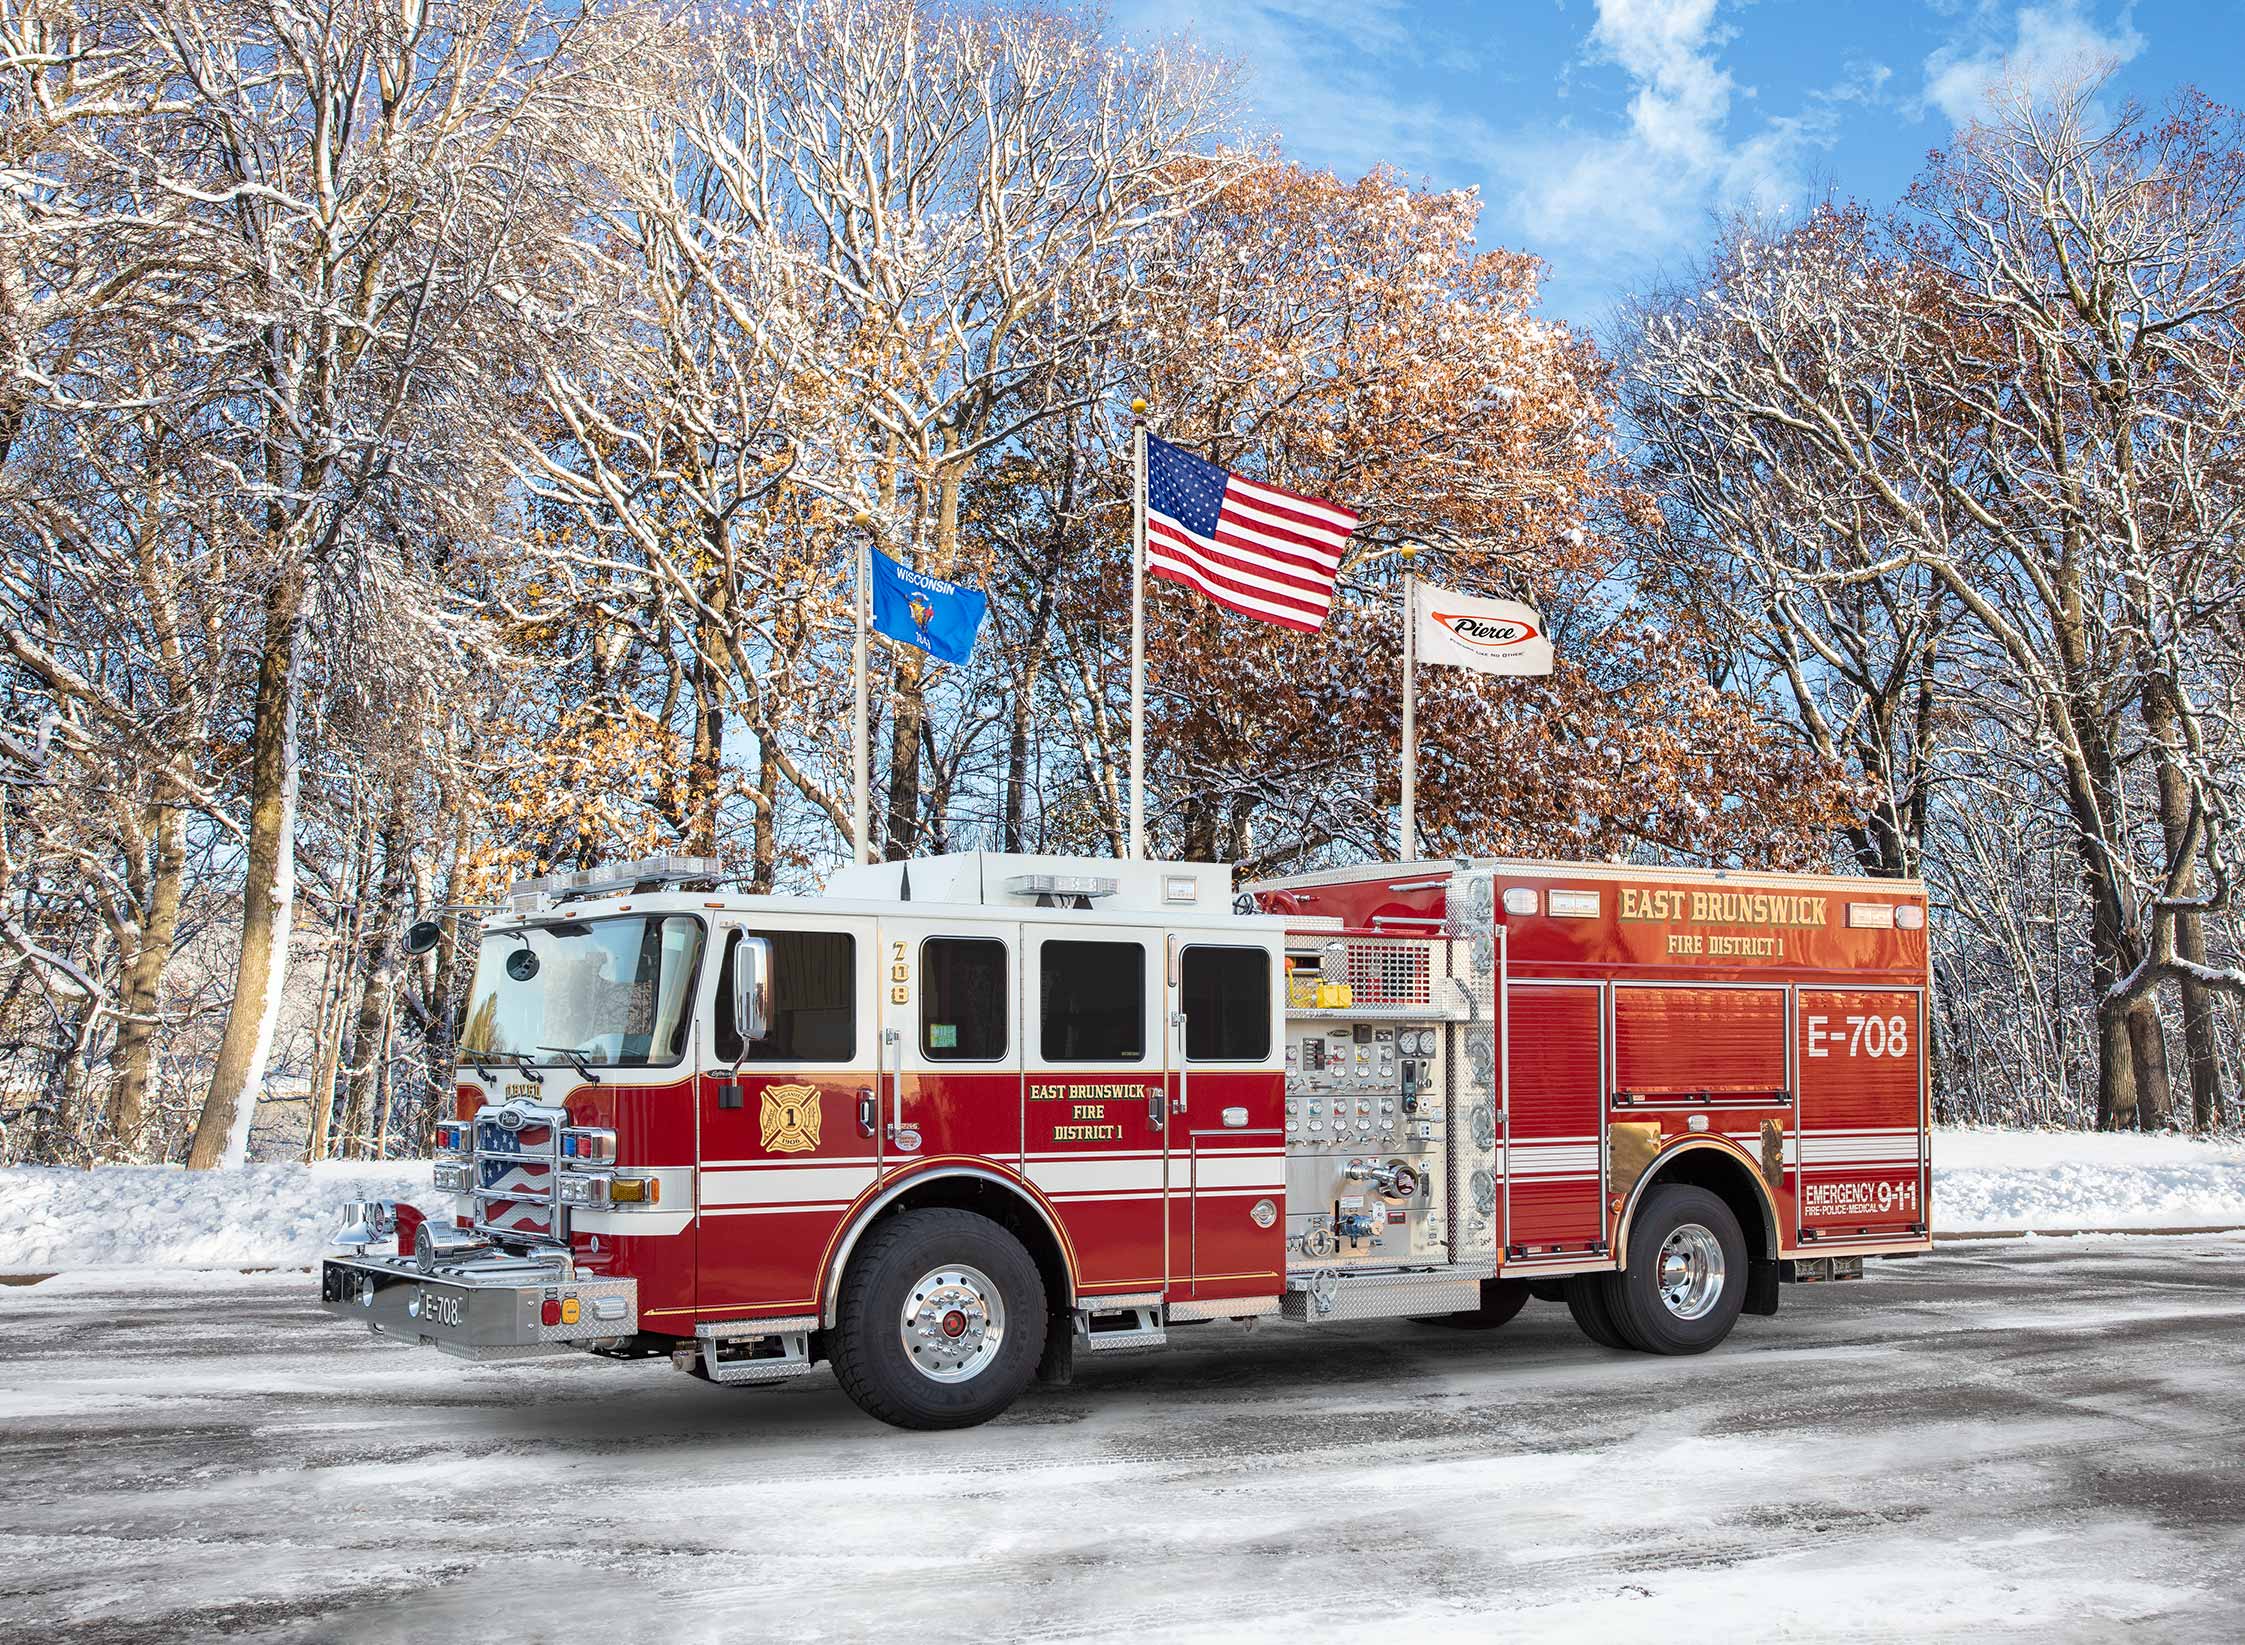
(1392, 1180)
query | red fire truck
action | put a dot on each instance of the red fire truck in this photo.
(960, 1119)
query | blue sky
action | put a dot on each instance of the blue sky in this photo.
(1605, 135)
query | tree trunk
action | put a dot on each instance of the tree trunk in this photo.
(357, 884)
(268, 887)
(377, 980)
(2201, 1048)
(906, 708)
(133, 1061)
(2202, 1045)
(2116, 1078)
(764, 839)
(705, 768)
(2147, 1042)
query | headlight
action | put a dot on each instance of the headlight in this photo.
(583, 1190)
(451, 1177)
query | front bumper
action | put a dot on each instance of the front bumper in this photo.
(492, 1309)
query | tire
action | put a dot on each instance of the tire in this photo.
(1686, 1279)
(1586, 1300)
(1500, 1300)
(977, 1320)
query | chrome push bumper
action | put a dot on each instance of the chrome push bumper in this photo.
(494, 1308)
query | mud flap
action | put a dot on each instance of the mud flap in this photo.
(1761, 1288)
(1057, 1366)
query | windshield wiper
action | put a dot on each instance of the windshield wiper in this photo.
(576, 1059)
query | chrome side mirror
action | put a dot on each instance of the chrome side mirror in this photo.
(421, 936)
(752, 989)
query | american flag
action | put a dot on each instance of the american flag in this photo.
(1249, 547)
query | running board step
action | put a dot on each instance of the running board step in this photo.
(1120, 1330)
(737, 1358)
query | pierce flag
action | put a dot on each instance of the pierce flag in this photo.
(939, 617)
(1493, 636)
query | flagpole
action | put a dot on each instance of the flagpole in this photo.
(1138, 631)
(1410, 553)
(860, 778)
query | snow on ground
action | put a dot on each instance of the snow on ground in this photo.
(281, 1215)
(127, 1215)
(2085, 1179)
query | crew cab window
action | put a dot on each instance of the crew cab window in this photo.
(814, 999)
(1226, 997)
(1092, 1001)
(962, 999)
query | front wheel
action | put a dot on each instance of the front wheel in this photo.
(942, 1320)
(1686, 1279)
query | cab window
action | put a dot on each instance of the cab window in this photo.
(1091, 1001)
(962, 999)
(1226, 997)
(814, 999)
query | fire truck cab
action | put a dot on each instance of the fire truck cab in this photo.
(960, 1119)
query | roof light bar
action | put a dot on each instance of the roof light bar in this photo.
(1062, 885)
(642, 872)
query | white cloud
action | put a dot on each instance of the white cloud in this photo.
(1601, 195)
(1617, 196)
(2049, 46)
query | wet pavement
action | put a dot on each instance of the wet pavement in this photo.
(2034, 1440)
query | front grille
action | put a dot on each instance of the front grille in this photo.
(517, 1172)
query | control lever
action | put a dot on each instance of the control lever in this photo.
(1157, 1107)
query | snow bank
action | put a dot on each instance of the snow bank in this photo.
(281, 1215)
(128, 1215)
(2079, 1179)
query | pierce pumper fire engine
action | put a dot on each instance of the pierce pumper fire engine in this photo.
(959, 1120)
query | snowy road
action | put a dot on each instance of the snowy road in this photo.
(2005, 1441)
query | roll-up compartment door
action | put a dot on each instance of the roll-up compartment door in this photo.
(1681, 1044)
(1554, 1164)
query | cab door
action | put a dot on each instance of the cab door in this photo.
(1226, 1134)
(789, 1137)
(951, 1042)
(1096, 1098)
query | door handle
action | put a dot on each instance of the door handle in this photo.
(1157, 1107)
(867, 1109)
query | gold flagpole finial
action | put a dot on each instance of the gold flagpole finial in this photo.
(1138, 408)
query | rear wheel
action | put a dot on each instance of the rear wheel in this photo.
(942, 1320)
(1686, 1279)
(1500, 1300)
(1586, 1300)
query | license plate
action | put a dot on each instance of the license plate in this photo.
(439, 1308)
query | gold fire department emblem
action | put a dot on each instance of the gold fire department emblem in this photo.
(790, 1119)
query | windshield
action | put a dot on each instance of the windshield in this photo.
(614, 991)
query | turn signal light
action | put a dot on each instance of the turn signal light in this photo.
(635, 1190)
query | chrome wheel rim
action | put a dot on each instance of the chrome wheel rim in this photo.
(953, 1323)
(1689, 1273)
